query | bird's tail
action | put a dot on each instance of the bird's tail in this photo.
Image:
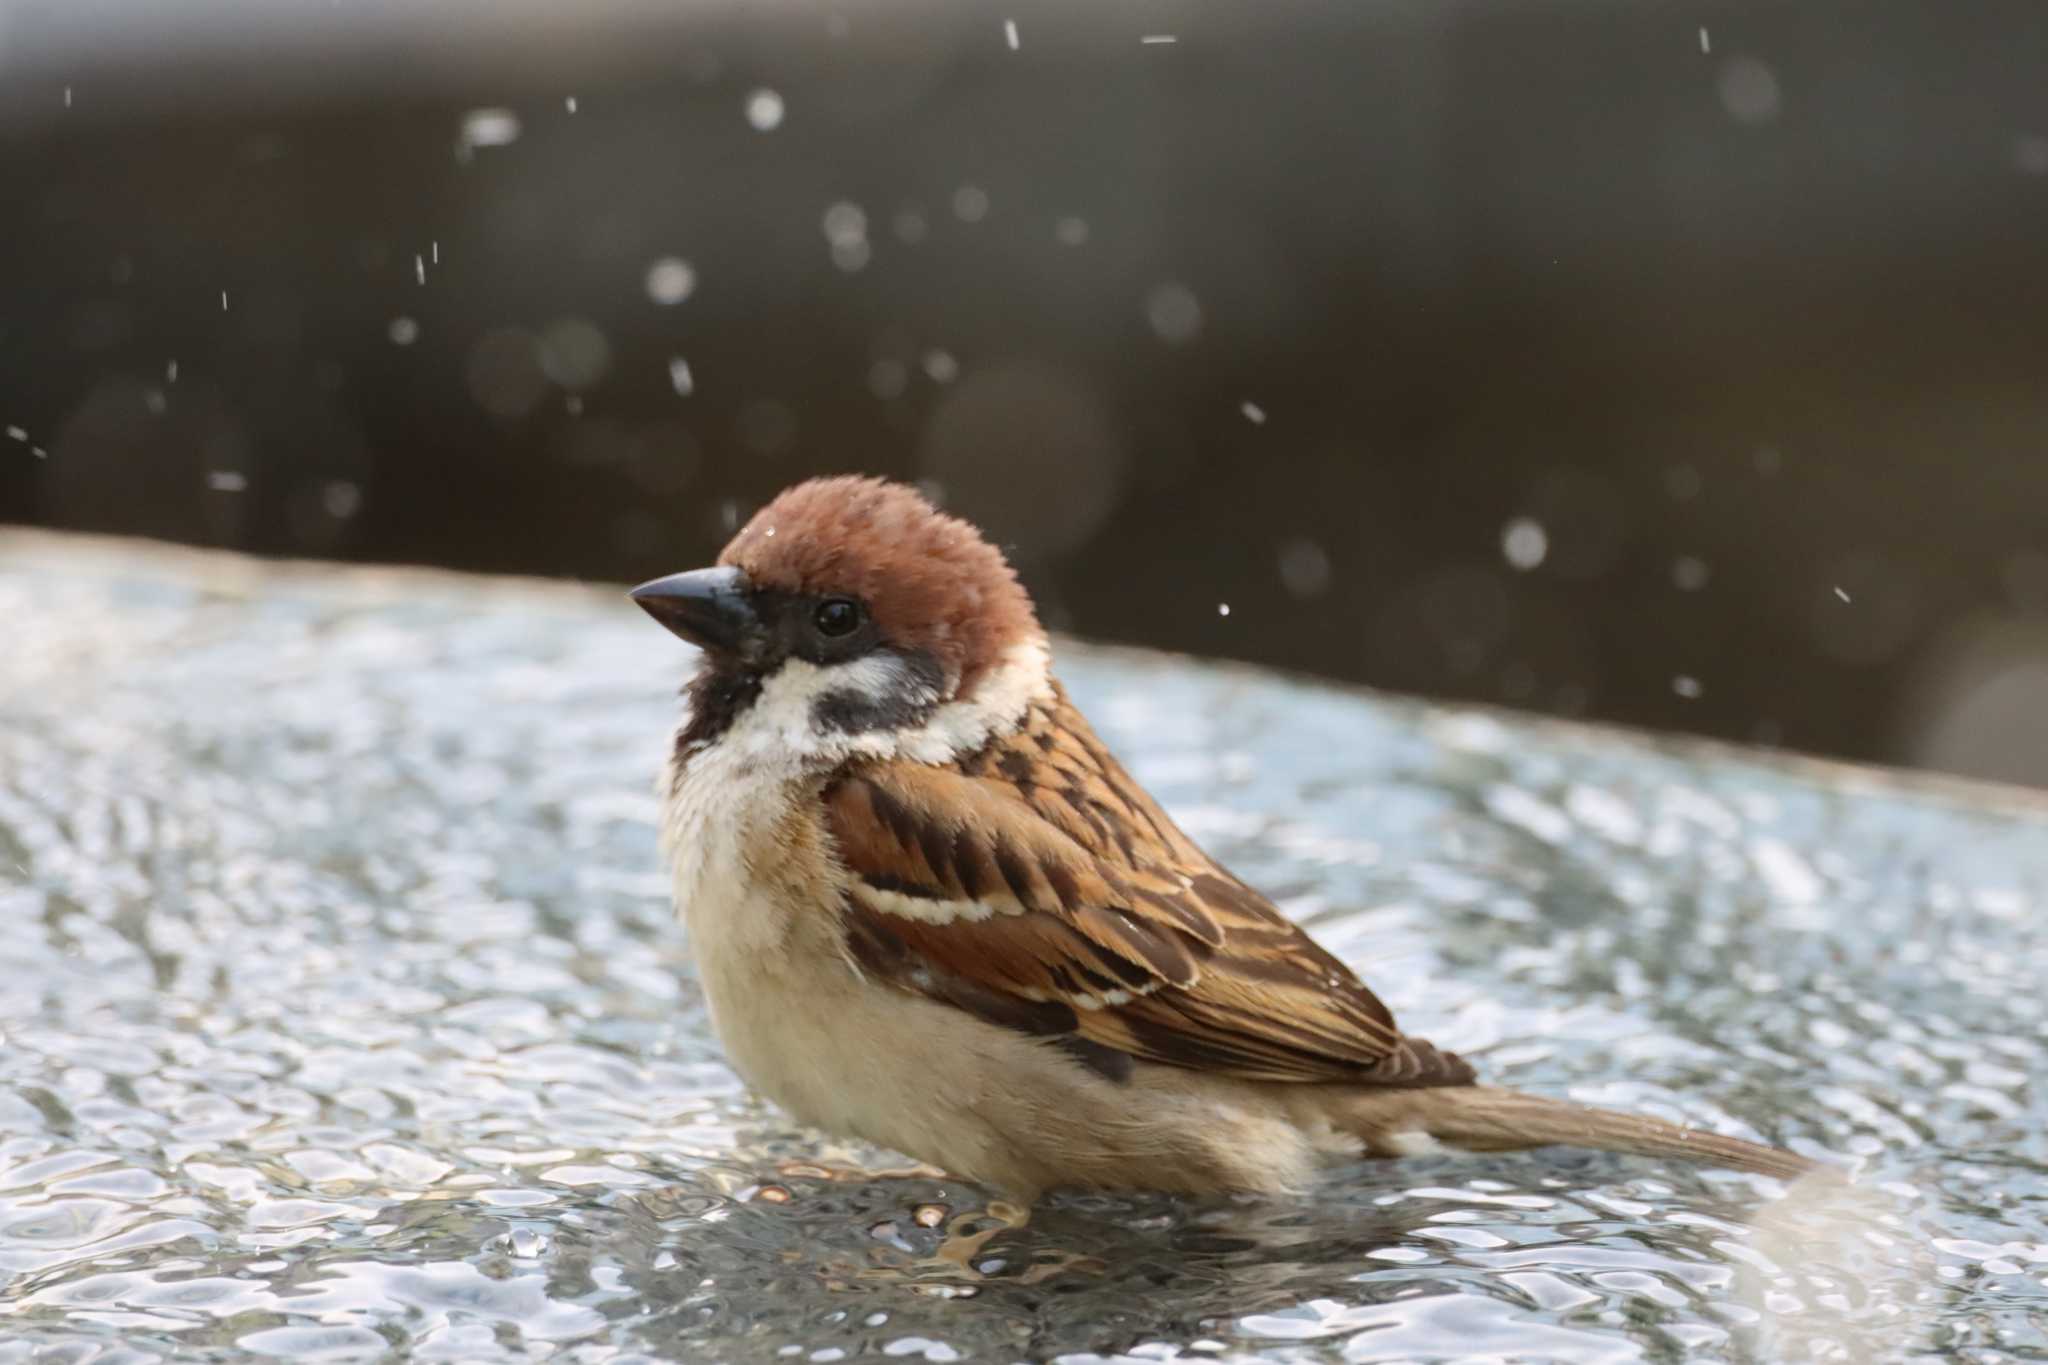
(1480, 1118)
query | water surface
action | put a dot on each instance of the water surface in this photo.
(343, 1017)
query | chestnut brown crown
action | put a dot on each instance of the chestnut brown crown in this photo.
(930, 581)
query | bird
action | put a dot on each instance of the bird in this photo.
(929, 909)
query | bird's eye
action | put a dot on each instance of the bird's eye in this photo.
(837, 616)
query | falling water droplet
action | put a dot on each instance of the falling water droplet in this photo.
(670, 280)
(764, 110)
(1174, 312)
(970, 203)
(1524, 543)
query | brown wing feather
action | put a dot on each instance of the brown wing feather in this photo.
(1038, 885)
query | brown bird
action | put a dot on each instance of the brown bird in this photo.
(930, 910)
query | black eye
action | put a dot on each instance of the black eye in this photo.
(837, 616)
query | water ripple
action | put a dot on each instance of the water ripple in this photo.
(345, 1019)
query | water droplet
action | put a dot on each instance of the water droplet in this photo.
(574, 353)
(1158, 39)
(226, 480)
(1687, 686)
(1253, 413)
(341, 499)
(764, 110)
(1010, 33)
(670, 280)
(404, 331)
(970, 204)
(846, 228)
(1841, 592)
(679, 377)
(1304, 568)
(1706, 43)
(1070, 231)
(488, 128)
(569, 103)
(910, 227)
(527, 1243)
(941, 367)
(1689, 573)
(1749, 91)
(1223, 608)
(419, 268)
(1174, 312)
(1524, 543)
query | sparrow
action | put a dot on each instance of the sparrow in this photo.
(930, 910)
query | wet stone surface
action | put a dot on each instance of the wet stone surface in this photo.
(342, 1017)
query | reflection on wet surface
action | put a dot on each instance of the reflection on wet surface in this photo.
(343, 1016)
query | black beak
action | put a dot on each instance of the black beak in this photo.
(708, 607)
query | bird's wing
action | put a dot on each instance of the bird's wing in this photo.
(1035, 885)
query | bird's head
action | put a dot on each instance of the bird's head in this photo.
(851, 616)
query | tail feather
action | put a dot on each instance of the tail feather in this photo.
(1485, 1119)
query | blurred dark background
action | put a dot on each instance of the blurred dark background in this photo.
(1685, 366)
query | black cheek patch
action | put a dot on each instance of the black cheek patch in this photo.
(909, 704)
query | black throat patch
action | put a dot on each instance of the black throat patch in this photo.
(717, 696)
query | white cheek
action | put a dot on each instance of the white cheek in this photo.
(960, 727)
(778, 736)
(782, 724)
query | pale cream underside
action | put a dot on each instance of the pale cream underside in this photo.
(758, 886)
